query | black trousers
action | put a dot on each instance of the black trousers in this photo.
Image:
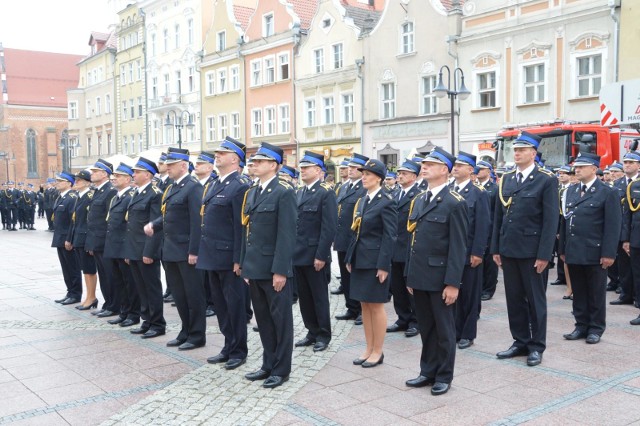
(626, 274)
(48, 214)
(526, 303)
(70, 272)
(468, 303)
(489, 274)
(353, 306)
(589, 285)
(187, 289)
(634, 261)
(4, 213)
(560, 270)
(107, 287)
(228, 292)
(149, 286)
(275, 324)
(12, 215)
(313, 292)
(438, 334)
(613, 273)
(403, 302)
(125, 289)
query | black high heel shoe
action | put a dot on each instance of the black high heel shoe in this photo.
(368, 364)
(93, 304)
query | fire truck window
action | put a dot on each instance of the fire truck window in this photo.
(585, 143)
(553, 150)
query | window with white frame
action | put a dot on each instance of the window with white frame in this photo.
(110, 144)
(124, 111)
(125, 145)
(256, 122)
(167, 84)
(328, 110)
(178, 82)
(270, 120)
(190, 31)
(429, 104)
(407, 38)
(256, 72)
(589, 78)
(138, 70)
(87, 113)
(234, 83)
(177, 30)
(107, 104)
(98, 106)
(191, 79)
(318, 60)
(89, 146)
(123, 75)
(165, 40)
(211, 128)
(222, 80)
(534, 83)
(210, 80)
(155, 132)
(283, 66)
(222, 126)
(153, 45)
(267, 25)
(388, 100)
(337, 56)
(310, 112)
(284, 119)
(347, 108)
(100, 149)
(132, 109)
(269, 70)
(221, 41)
(140, 106)
(140, 142)
(73, 110)
(486, 89)
(130, 78)
(235, 125)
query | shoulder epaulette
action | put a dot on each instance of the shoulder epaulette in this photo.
(326, 186)
(90, 194)
(510, 171)
(546, 172)
(480, 187)
(457, 196)
(389, 196)
(285, 184)
(133, 191)
(73, 195)
(156, 189)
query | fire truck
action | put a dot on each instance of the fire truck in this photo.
(562, 141)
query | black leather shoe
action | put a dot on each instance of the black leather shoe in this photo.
(274, 381)
(534, 358)
(558, 282)
(168, 299)
(411, 331)
(174, 343)
(209, 312)
(304, 342)
(217, 359)
(465, 343)
(61, 300)
(337, 291)
(70, 301)
(255, 328)
(420, 382)
(593, 338)
(232, 364)
(511, 352)
(359, 361)
(618, 301)
(347, 316)
(106, 313)
(116, 321)
(484, 297)
(440, 388)
(611, 287)
(98, 312)
(369, 364)
(187, 346)
(257, 375)
(320, 346)
(150, 334)
(358, 320)
(635, 321)
(129, 323)
(394, 328)
(575, 335)
(618, 290)
(139, 330)
(93, 304)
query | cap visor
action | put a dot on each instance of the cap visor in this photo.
(523, 145)
(262, 157)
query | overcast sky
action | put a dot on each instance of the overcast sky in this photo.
(62, 26)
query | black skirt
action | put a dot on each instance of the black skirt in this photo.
(365, 286)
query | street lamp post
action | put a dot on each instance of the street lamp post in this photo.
(179, 122)
(441, 91)
(66, 146)
(5, 154)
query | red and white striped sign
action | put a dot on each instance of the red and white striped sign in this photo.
(606, 116)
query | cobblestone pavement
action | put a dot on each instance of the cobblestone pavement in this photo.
(63, 366)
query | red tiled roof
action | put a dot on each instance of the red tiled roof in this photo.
(98, 36)
(377, 4)
(40, 78)
(242, 14)
(448, 4)
(305, 9)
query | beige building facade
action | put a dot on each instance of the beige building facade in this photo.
(629, 62)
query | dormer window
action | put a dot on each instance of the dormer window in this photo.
(267, 25)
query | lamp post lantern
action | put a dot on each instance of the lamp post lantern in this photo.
(462, 92)
(180, 120)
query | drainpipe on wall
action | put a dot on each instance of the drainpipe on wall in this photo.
(360, 64)
(146, 96)
(292, 111)
(616, 41)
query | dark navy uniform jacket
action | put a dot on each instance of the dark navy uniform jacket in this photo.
(269, 236)
(317, 224)
(478, 230)
(97, 217)
(438, 243)
(143, 208)
(590, 227)
(631, 219)
(620, 185)
(528, 226)
(180, 220)
(79, 220)
(62, 214)
(492, 191)
(402, 242)
(117, 226)
(346, 200)
(374, 241)
(221, 223)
